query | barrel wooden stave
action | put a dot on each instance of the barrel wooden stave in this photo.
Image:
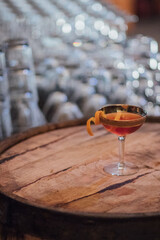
(88, 203)
(37, 225)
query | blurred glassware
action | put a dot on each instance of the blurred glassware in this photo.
(54, 100)
(22, 80)
(62, 78)
(53, 79)
(80, 92)
(55, 47)
(2, 61)
(5, 119)
(93, 103)
(18, 54)
(45, 87)
(83, 50)
(141, 46)
(152, 109)
(75, 59)
(20, 66)
(144, 90)
(95, 76)
(3, 86)
(25, 112)
(118, 95)
(43, 65)
(66, 111)
(108, 56)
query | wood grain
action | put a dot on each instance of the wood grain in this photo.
(64, 169)
(60, 171)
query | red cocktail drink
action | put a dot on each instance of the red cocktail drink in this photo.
(120, 119)
(123, 130)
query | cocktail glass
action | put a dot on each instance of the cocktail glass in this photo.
(120, 119)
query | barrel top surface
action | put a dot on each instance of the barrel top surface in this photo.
(63, 170)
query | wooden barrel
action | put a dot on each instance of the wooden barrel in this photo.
(52, 185)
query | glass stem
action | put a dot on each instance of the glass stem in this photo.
(121, 152)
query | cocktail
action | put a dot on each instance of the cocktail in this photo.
(120, 119)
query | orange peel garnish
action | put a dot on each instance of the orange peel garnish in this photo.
(95, 120)
(97, 117)
(118, 116)
(89, 130)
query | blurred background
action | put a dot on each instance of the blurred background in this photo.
(63, 60)
(148, 13)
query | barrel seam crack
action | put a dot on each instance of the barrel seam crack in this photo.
(109, 188)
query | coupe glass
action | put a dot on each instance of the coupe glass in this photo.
(121, 119)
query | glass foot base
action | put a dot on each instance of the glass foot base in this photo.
(115, 169)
